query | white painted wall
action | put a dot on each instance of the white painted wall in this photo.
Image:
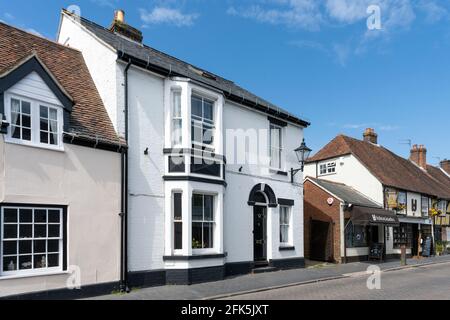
(146, 187)
(352, 172)
(32, 86)
(88, 182)
(101, 62)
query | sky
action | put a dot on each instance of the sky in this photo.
(317, 59)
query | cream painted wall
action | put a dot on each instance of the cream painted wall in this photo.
(88, 182)
(350, 171)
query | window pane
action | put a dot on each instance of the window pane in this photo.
(209, 208)
(53, 260)
(52, 246)
(44, 112)
(40, 246)
(44, 125)
(53, 139)
(10, 231)
(40, 216)
(15, 132)
(53, 114)
(40, 261)
(177, 206)
(40, 231)
(53, 230)
(196, 106)
(10, 215)
(26, 134)
(178, 230)
(284, 234)
(25, 231)
(208, 235)
(25, 247)
(26, 107)
(275, 158)
(15, 106)
(197, 133)
(44, 137)
(26, 121)
(275, 137)
(26, 215)
(208, 137)
(54, 216)
(176, 105)
(177, 132)
(9, 248)
(25, 262)
(197, 236)
(197, 207)
(208, 110)
(9, 263)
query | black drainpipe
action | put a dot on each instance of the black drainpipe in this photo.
(124, 198)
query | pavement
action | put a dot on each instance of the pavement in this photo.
(264, 282)
(425, 282)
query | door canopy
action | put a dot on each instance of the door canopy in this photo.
(261, 191)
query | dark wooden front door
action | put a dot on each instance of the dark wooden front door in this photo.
(320, 241)
(260, 235)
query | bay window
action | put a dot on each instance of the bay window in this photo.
(202, 221)
(31, 240)
(202, 115)
(276, 146)
(285, 225)
(34, 123)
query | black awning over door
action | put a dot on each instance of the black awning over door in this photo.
(373, 216)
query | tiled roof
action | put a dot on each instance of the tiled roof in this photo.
(176, 67)
(390, 169)
(345, 193)
(89, 118)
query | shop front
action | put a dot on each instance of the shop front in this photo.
(365, 233)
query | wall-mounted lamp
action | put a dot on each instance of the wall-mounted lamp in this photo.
(302, 154)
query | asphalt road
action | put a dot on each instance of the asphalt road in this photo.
(422, 283)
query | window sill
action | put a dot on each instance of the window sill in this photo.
(278, 172)
(287, 248)
(32, 145)
(195, 257)
(34, 275)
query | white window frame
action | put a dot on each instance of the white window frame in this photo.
(427, 202)
(175, 118)
(177, 251)
(442, 206)
(202, 121)
(289, 226)
(35, 123)
(330, 168)
(32, 272)
(213, 222)
(278, 149)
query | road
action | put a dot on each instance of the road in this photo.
(423, 283)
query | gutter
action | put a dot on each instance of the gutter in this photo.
(124, 198)
(241, 100)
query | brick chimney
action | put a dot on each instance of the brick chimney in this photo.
(445, 165)
(121, 27)
(419, 156)
(370, 136)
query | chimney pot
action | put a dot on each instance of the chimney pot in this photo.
(119, 26)
(419, 155)
(445, 165)
(370, 136)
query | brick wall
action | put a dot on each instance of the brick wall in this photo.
(317, 208)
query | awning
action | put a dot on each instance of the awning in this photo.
(373, 216)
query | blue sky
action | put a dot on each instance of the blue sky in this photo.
(315, 58)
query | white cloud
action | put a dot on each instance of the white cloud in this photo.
(8, 16)
(308, 44)
(106, 3)
(34, 31)
(433, 12)
(293, 13)
(162, 15)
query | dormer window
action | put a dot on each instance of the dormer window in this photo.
(33, 123)
(327, 168)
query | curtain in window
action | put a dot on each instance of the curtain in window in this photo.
(15, 119)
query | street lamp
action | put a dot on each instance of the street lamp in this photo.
(302, 154)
